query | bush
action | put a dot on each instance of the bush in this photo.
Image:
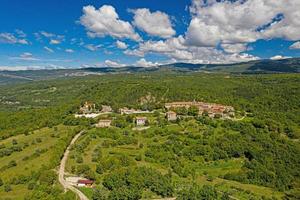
(100, 194)
(31, 186)
(47, 177)
(138, 157)
(7, 188)
(14, 142)
(12, 164)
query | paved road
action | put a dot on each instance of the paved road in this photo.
(61, 178)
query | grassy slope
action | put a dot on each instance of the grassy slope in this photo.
(210, 169)
(32, 164)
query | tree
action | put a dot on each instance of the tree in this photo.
(47, 177)
(7, 188)
(126, 193)
(193, 111)
(100, 194)
(31, 186)
(14, 142)
(99, 169)
(1, 182)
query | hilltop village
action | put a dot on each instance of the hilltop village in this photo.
(172, 111)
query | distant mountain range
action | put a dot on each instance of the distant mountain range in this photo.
(291, 65)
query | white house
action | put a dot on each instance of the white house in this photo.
(103, 123)
(141, 121)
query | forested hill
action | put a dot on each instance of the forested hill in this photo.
(256, 156)
(253, 67)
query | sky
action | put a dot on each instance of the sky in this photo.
(53, 34)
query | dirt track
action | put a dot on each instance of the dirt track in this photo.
(61, 173)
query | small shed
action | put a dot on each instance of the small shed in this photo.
(85, 183)
(172, 116)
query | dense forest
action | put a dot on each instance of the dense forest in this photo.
(264, 148)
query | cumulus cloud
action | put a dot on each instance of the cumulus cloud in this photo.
(279, 57)
(296, 45)
(9, 38)
(220, 31)
(144, 63)
(48, 49)
(134, 52)
(237, 22)
(154, 23)
(115, 64)
(105, 22)
(177, 50)
(121, 45)
(234, 48)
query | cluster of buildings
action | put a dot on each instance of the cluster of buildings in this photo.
(211, 109)
(127, 111)
(87, 108)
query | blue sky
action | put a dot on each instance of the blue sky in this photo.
(84, 33)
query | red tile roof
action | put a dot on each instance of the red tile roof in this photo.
(85, 182)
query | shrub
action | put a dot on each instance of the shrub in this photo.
(7, 188)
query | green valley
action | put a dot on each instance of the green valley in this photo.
(251, 155)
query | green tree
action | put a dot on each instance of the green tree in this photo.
(7, 188)
(47, 177)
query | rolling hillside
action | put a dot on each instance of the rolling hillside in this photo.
(262, 66)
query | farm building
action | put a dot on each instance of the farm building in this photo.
(103, 123)
(171, 116)
(85, 183)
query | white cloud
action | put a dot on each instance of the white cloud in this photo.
(46, 34)
(234, 48)
(54, 41)
(279, 57)
(143, 63)
(31, 67)
(155, 23)
(10, 38)
(105, 21)
(121, 45)
(26, 56)
(52, 37)
(296, 45)
(92, 47)
(69, 50)
(134, 52)
(177, 49)
(232, 22)
(49, 49)
(21, 33)
(115, 64)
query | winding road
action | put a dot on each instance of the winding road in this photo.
(61, 179)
